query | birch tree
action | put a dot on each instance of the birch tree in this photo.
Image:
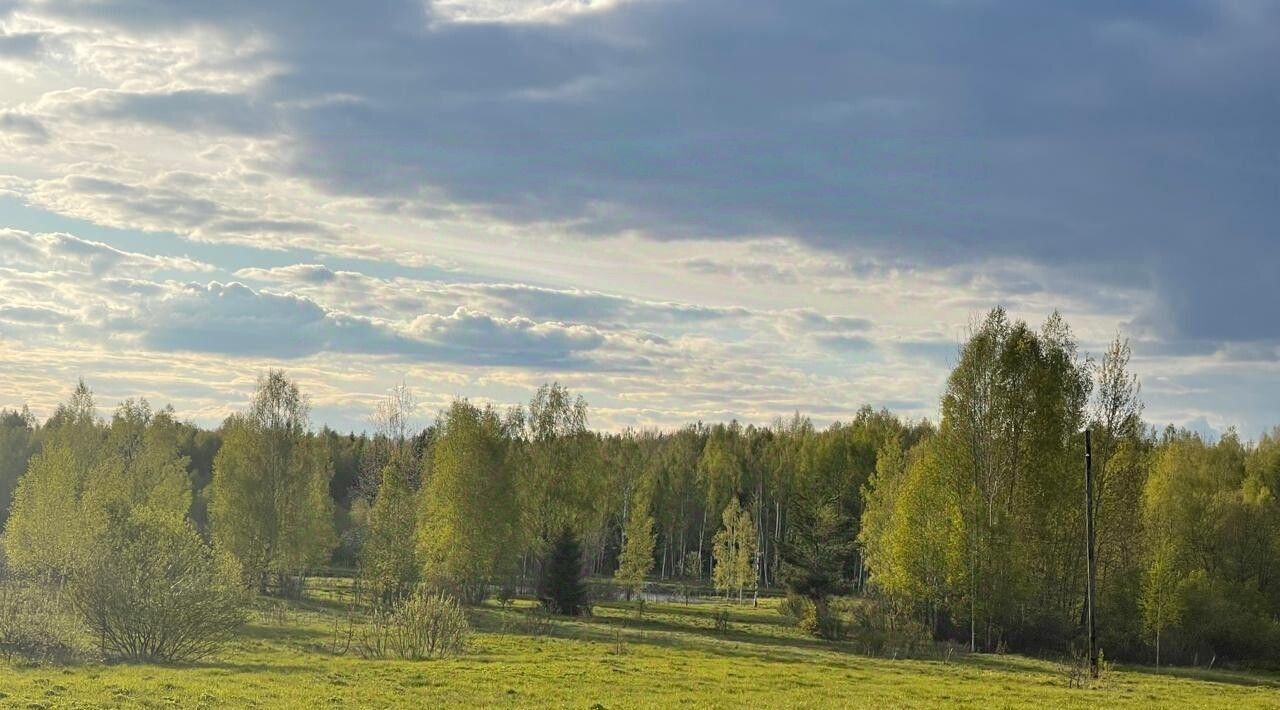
(269, 503)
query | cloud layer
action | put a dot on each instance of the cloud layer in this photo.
(790, 196)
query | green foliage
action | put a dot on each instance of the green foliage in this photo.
(269, 500)
(152, 590)
(140, 464)
(47, 526)
(879, 497)
(720, 469)
(971, 529)
(1209, 583)
(880, 628)
(794, 607)
(819, 551)
(83, 480)
(636, 561)
(561, 589)
(818, 620)
(559, 479)
(17, 445)
(468, 530)
(985, 512)
(924, 547)
(32, 626)
(389, 564)
(734, 551)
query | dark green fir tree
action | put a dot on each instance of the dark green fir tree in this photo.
(561, 588)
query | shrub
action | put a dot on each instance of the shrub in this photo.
(152, 590)
(881, 628)
(31, 627)
(506, 595)
(429, 625)
(375, 632)
(819, 620)
(538, 622)
(1075, 669)
(419, 626)
(795, 608)
(722, 621)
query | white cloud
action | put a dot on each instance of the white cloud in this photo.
(520, 11)
(64, 252)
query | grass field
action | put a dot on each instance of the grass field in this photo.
(672, 656)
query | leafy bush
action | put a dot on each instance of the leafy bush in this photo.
(795, 608)
(31, 627)
(882, 629)
(152, 590)
(819, 620)
(420, 626)
(1222, 621)
(429, 625)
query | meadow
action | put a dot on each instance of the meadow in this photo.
(290, 654)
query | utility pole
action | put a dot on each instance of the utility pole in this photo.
(1089, 554)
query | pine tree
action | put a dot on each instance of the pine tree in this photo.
(561, 589)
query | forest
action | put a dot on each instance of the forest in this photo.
(968, 530)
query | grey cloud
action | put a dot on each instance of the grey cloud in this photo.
(21, 45)
(846, 343)
(511, 299)
(1127, 141)
(755, 271)
(181, 109)
(32, 315)
(1257, 351)
(937, 352)
(233, 319)
(27, 127)
(482, 337)
(813, 320)
(169, 202)
(578, 305)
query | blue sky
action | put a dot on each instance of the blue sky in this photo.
(683, 209)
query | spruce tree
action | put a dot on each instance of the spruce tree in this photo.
(561, 589)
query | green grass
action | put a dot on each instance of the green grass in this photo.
(673, 656)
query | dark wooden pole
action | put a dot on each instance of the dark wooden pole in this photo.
(1089, 553)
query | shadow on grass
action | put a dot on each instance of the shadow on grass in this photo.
(707, 609)
(287, 632)
(250, 667)
(733, 643)
(1249, 679)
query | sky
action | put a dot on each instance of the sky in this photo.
(681, 209)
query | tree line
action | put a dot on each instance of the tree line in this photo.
(970, 528)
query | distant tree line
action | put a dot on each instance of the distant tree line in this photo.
(972, 527)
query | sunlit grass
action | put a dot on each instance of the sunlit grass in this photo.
(671, 656)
